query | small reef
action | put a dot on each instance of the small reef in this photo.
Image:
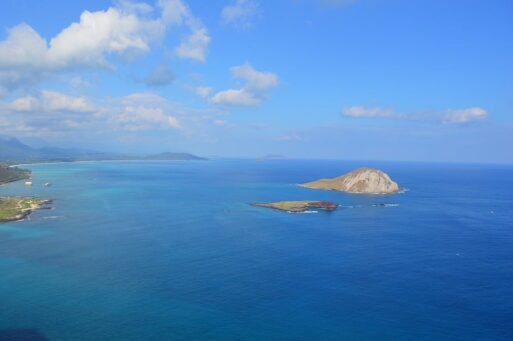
(299, 206)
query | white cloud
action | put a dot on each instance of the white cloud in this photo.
(141, 111)
(27, 103)
(85, 43)
(236, 97)
(143, 98)
(138, 118)
(256, 80)
(61, 113)
(51, 101)
(464, 115)
(194, 46)
(125, 30)
(361, 111)
(203, 91)
(174, 12)
(100, 33)
(240, 13)
(257, 85)
(55, 101)
(452, 116)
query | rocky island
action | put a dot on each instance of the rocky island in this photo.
(362, 180)
(299, 206)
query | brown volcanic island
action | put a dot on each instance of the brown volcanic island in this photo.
(362, 180)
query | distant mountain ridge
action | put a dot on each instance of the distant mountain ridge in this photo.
(14, 151)
(173, 156)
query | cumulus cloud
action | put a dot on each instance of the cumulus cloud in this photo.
(235, 97)
(141, 111)
(240, 13)
(451, 116)
(27, 103)
(52, 101)
(135, 118)
(125, 30)
(55, 101)
(62, 113)
(174, 12)
(85, 43)
(194, 46)
(47, 113)
(256, 87)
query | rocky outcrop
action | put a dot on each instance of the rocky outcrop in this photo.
(361, 180)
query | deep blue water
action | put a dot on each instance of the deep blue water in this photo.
(173, 251)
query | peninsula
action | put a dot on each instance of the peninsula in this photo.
(299, 206)
(17, 208)
(362, 180)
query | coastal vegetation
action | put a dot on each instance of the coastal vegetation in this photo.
(17, 208)
(10, 174)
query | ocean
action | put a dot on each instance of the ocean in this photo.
(174, 251)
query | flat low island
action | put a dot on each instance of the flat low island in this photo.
(299, 206)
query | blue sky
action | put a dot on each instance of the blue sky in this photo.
(345, 79)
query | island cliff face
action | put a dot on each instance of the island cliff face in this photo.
(362, 180)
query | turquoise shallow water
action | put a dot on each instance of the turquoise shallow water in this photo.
(173, 251)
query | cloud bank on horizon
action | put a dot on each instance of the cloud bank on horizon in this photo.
(180, 73)
(451, 116)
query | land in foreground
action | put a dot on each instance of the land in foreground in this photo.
(17, 208)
